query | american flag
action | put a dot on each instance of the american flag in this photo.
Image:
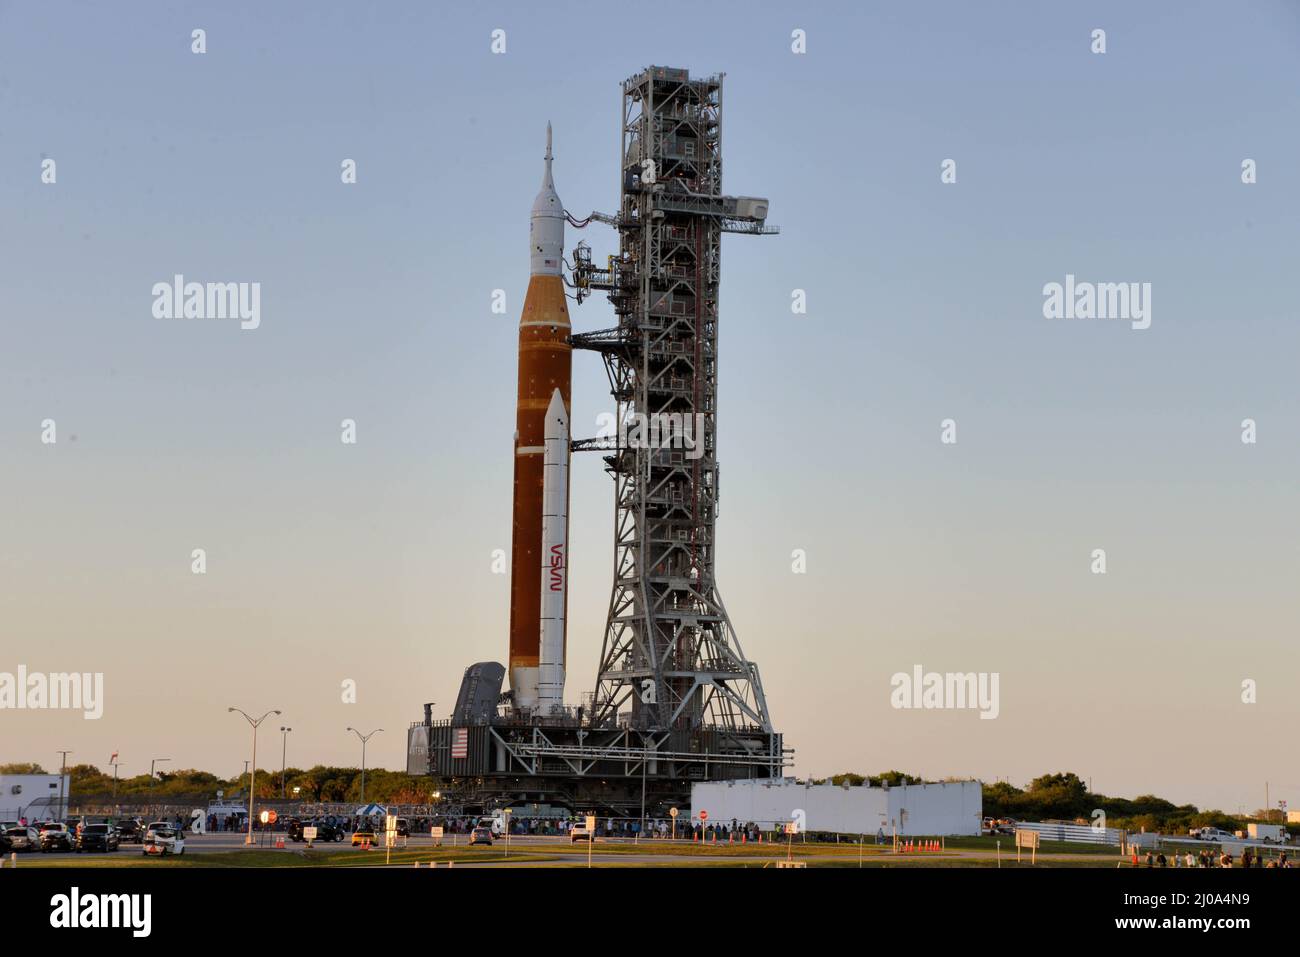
(460, 743)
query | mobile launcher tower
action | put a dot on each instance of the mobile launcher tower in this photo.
(675, 701)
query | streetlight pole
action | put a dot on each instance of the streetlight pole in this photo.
(364, 738)
(252, 796)
(152, 762)
(62, 774)
(284, 746)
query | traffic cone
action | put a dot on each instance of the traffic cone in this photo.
(694, 837)
(744, 838)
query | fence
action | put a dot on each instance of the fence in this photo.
(1075, 833)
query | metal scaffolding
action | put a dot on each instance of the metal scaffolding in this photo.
(671, 658)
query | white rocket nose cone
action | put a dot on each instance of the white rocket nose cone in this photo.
(546, 232)
(556, 417)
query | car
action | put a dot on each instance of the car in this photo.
(56, 836)
(324, 830)
(363, 836)
(130, 832)
(97, 837)
(579, 832)
(403, 827)
(480, 835)
(162, 838)
(24, 838)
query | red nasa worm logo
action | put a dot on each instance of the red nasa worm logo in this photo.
(557, 567)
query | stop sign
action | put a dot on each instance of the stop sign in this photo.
(704, 815)
(271, 816)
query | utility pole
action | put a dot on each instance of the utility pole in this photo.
(63, 770)
(364, 738)
(252, 795)
(284, 745)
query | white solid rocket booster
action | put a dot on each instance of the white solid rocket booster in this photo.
(555, 556)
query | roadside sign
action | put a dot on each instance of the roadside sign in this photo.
(704, 815)
(309, 833)
(390, 838)
(390, 824)
(436, 833)
(591, 824)
(1029, 839)
(672, 811)
(792, 827)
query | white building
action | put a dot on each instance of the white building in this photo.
(951, 808)
(34, 796)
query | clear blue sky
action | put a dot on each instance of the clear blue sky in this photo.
(373, 562)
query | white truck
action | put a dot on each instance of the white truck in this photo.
(1213, 834)
(1268, 833)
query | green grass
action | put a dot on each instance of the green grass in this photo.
(258, 857)
(560, 853)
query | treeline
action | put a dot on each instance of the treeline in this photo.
(320, 783)
(1065, 797)
(1051, 797)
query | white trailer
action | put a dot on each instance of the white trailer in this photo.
(1268, 833)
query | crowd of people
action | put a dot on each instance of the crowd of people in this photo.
(1221, 858)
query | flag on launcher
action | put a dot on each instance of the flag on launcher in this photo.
(460, 743)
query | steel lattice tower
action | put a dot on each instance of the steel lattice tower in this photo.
(671, 658)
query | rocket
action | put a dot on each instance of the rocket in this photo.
(539, 554)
